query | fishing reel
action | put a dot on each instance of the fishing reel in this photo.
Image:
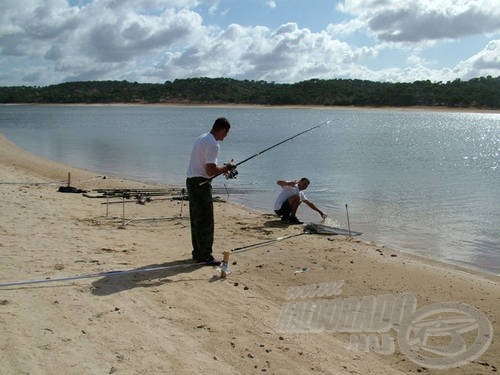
(142, 199)
(232, 173)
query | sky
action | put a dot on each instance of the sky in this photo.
(283, 41)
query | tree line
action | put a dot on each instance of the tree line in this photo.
(483, 92)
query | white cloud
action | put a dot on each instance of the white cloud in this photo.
(484, 63)
(414, 21)
(286, 54)
(414, 60)
(158, 40)
(271, 4)
(31, 28)
(95, 41)
(125, 37)
(345, 28)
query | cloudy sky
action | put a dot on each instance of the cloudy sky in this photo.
(54, 41)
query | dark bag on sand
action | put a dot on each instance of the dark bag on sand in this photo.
(70, 189)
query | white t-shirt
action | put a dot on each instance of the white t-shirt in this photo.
(205, 151)
(286, 193)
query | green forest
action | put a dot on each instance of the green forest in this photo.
(483, 92)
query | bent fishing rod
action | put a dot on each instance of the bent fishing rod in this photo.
(267, 149)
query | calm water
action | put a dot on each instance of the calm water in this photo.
(422, 182)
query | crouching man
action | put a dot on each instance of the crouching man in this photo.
(290, 198)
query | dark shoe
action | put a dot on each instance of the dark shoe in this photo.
(294, 220)
(211, 261)
(285, 218)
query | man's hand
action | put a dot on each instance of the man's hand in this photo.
(230, 166)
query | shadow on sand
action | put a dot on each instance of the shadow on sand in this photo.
(146, 276)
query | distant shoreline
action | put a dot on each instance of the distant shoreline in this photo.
(269, 106)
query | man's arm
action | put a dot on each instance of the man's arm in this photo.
(213, 170)
(313, 206)
(286, 183)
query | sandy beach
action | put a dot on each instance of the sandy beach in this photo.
(183, 318)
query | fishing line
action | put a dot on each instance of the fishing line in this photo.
(310, 228)
(53, 182)
(264, 243)
(269, 148)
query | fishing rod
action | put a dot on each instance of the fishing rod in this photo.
(268, 242)
(265, 150)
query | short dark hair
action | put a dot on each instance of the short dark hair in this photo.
(221, 123)
(305, 179)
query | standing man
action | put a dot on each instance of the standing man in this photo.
(290, 198)
(203, 166)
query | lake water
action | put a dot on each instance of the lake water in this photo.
(419, 181)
